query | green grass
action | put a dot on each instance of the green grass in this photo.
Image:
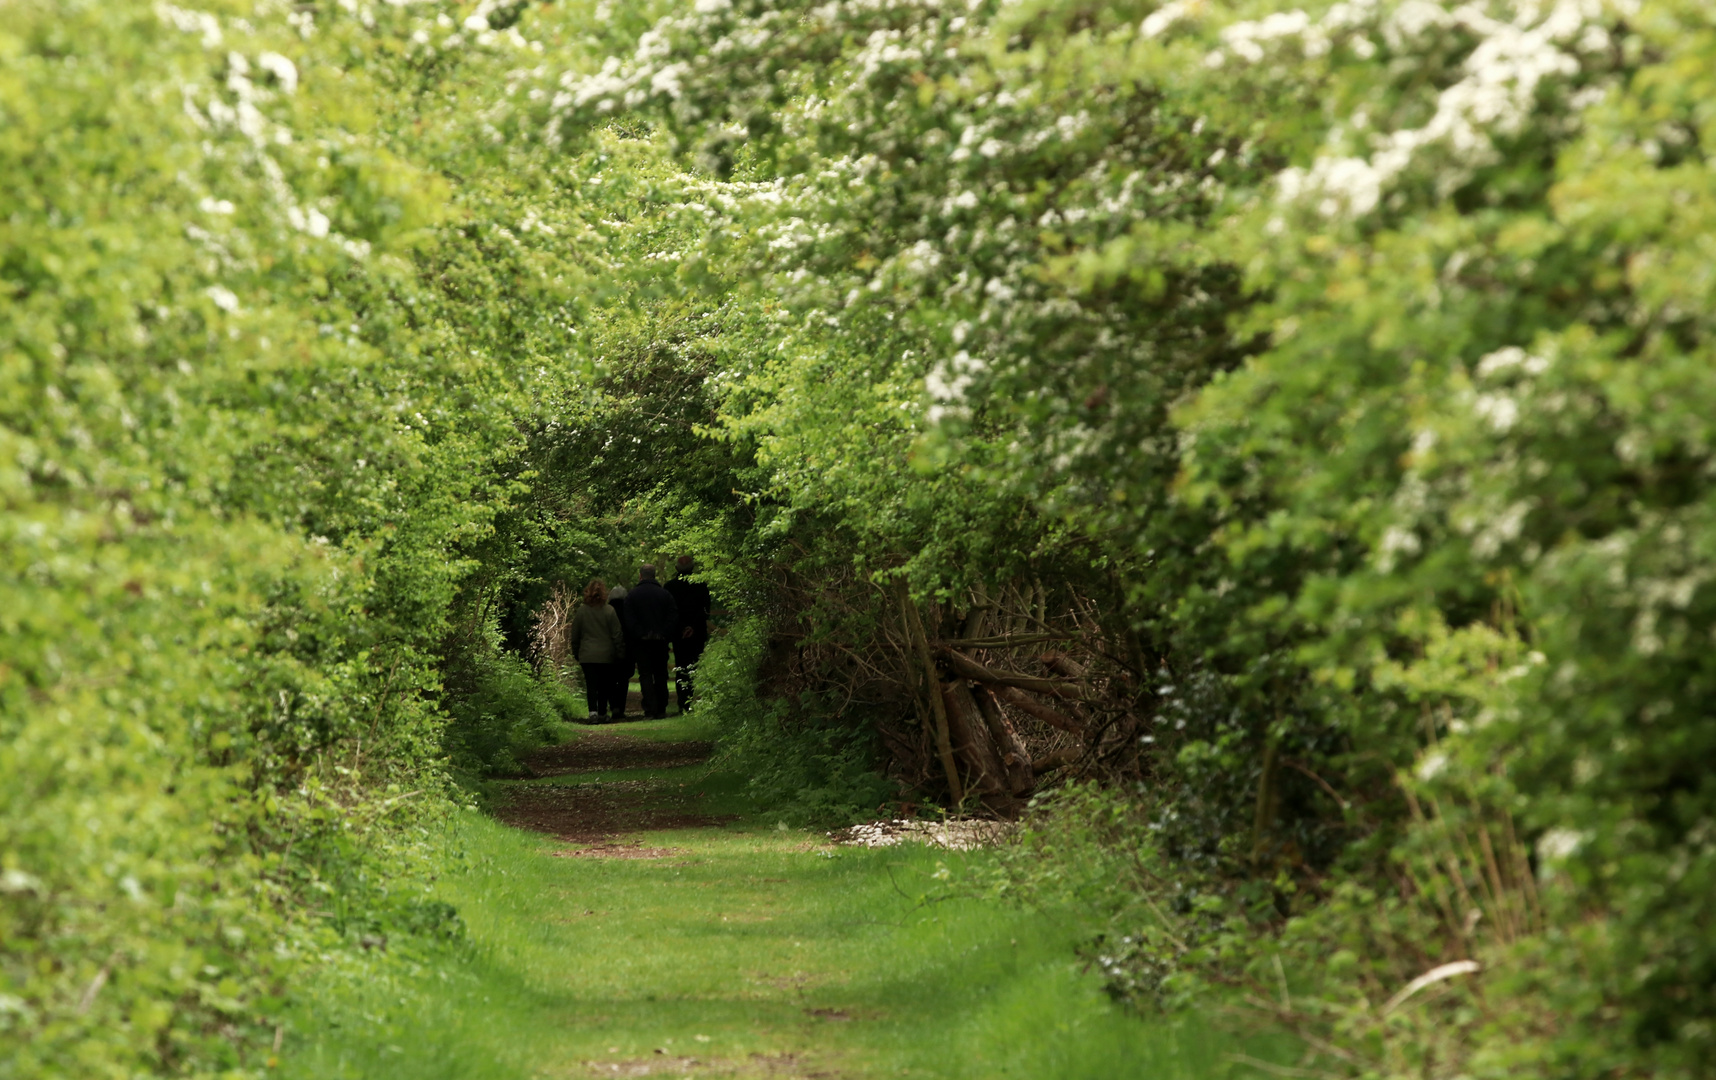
(687, 774)
(751, 940)
(676, 728)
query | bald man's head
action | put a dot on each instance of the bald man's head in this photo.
(646, 572)
(685, 563)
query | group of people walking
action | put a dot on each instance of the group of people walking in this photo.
(615, 631)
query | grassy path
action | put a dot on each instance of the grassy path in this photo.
(648, 928)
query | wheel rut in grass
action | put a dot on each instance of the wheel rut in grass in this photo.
(651, 923)
(598, 812)
(598, 751)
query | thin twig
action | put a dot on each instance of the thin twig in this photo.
(1320, 782)
(1276, 1070)
(95, 984)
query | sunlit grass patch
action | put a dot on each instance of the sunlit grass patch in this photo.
(757, 945)
(689, 727)
(686, 775)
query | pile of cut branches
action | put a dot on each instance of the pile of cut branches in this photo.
(983, 700)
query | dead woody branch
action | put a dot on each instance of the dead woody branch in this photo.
(976, 703)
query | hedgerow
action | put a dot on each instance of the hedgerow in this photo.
(274, 296)
(1292, 421)
(1343, 371)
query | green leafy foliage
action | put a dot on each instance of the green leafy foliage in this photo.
(1362, 350)
(804, 762)
(499, 709)
(263, 348)
(1349, 366)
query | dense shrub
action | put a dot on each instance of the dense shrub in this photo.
(1343, 374)
(261, 353)
(500, 708)
(806, 763)
(1365, 346)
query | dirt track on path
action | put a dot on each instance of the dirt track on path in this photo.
(594, 751)
(596, 813)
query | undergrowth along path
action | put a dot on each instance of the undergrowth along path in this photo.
(627, 917)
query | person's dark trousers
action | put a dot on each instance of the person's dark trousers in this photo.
(597, 678)
(620, 687)
(686, 653)
(652, 677)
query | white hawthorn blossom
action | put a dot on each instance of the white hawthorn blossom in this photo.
(1159, 21)
(281, 68)
(1495, 94)
(223, 297)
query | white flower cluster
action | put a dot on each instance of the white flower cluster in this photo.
(1158, 22)
(948, 382)
(1509, 359)
(712, 32)
(883, 47)
(243, 110)
(453, 35)
(1498, 407)
(310, 221)
(1497, 89)
(1556, 845)
(192, 22)
(1246, 39)
(622, 83)
(919, 185)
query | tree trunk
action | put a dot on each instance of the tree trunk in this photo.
(1063, 665)
(1054, 759)
(932, 695)
(1052, 717)
(972, 744)
(966, 667)
(1014, 758)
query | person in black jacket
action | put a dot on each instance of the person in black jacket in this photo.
(693, 634)
(651, 619)
(621, 674)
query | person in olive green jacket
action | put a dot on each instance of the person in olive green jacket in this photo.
(597, 642)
